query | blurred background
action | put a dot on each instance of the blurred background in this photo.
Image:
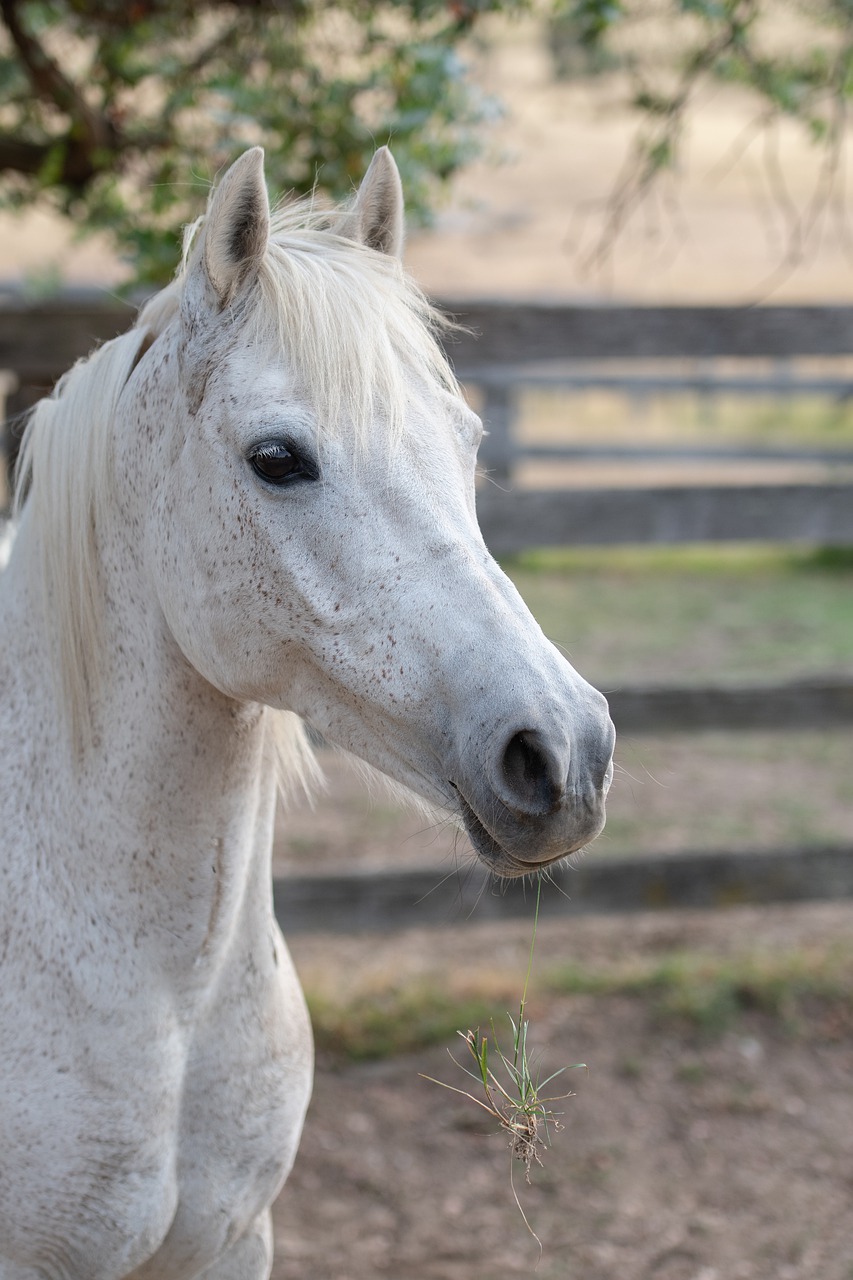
(642, 211)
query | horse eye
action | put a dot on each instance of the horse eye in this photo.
(277, 464)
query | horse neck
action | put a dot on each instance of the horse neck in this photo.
(175, 790)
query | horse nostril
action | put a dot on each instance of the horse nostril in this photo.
(532, 774)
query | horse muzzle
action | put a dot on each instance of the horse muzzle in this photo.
(540, 795)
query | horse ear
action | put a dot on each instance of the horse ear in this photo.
(237, 226)
(376, 217)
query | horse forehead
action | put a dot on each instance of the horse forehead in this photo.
(250, 379)
(255, 388)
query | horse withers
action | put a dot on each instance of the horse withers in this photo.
(253, 511)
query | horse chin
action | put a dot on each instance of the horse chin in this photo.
(498, 859)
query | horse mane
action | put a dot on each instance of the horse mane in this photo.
(359, 336)
(62, 481)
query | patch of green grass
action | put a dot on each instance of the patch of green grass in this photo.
(393, 1022)
(746, 789)
(629, 614)
(710, 992)
(825, 560)
(705, 992)
(300, 844)
(606, 415)
(708, 559)
(691, 1072)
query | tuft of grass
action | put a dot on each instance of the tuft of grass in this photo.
(510, 1086)
(515, 1102)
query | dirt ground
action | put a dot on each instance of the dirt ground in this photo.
(683, 1156)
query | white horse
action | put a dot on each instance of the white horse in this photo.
(254, 509)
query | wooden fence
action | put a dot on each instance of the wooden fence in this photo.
(577, 348)
(499, 349)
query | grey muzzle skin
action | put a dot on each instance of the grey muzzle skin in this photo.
(540, 795)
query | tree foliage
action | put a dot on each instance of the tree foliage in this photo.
(108, 105)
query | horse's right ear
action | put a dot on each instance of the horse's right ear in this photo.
(376, 216)
(235, 232)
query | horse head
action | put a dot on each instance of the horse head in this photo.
(303, 469)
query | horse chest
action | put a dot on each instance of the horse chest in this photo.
(146, 1149)
(246, 1086)
(243, 1103)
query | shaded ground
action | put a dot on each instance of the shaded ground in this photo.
(685, 1155)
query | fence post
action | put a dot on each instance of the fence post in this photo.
(9, 385)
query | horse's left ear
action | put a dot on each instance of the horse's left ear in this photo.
(237, 226)
(376, 217)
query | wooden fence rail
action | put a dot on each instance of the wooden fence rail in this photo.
(365, 901)
(511, 333)
(515, 519)
(819, 703)
(496, 346)
(40, 338)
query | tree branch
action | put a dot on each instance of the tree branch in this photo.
(22, 157)
(77, 169)
(647, 157)
(117, 13)
(90, 131)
